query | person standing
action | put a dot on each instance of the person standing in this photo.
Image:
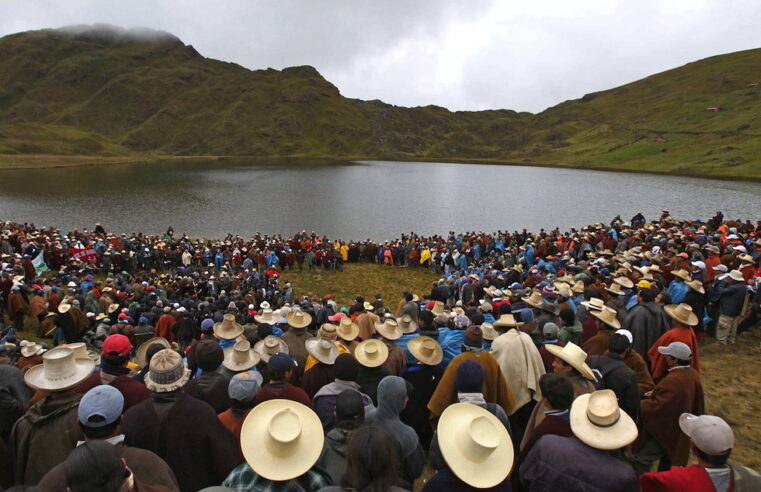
(731, 299)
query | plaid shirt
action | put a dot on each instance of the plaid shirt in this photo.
(243, 478)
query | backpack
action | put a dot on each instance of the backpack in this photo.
(601, 371)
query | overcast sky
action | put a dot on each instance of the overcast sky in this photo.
(525, 55)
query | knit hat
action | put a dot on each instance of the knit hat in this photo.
(470, 377)
(346, 367)
(207, 325)
(209, 355)
(474, 337)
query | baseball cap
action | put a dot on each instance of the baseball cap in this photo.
(100, 406)
(709, 433)
(349, 405)
(550, 329)
(699, 264)
(721, 268)
(244, 385)
(676, 349)
(116, 345)
(281, 363)
(626, 333)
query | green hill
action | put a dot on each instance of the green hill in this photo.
(103, 91)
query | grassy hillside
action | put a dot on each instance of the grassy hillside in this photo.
(102, 91)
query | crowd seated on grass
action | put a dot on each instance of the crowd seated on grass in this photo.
(537, 361)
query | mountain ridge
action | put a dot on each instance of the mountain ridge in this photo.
(108, 91)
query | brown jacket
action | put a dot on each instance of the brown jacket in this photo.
(496, 389)
(16, 304)
(366, 322)
(598, 344)
(396, 363)
(639, 366)
(678, 392)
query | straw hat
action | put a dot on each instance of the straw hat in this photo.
(578, 287)
(281, 439)
(29, 348)
(683, 274)
(142, 350)
(488, 331)
(79, 348)
(507, 320)
(228, 329)
(475, 445)
(608, 316)
(746, 258)
(426, 350)
(322, 349)
(270, 346)
(265, 305)
(368, 306)
(407, 325)
(371, 352)
(112, 308)
(593, 304)
(535, 299)
(682, 313)
(736, 276)
(615, 289)
(267, 316)
(697, 286)
(438, 308)
(598, 422)
(389, 329)
(654, 268)
(64, 307)
(298, 319)
(60, 370)
(240, 357)
(624, 282)
(574, 356)
(347, 329)
(167, 372)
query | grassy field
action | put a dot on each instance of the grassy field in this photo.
(731, 383)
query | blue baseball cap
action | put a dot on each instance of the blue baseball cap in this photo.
(244, 385)
(100, 406)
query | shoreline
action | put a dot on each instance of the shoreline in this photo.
(48, 161)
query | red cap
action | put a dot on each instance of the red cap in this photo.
(116, 345)
(683, 255)
(122, 316)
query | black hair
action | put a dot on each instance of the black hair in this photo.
(372, 460)
(618, 343)
(100, 432)
(568, 317)
(716, 461)
(557, 389)
(647, 295)
(426, 317)
(681, 362)
(95, 466)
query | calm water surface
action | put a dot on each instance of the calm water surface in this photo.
(353, 200)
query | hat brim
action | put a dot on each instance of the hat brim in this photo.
(35, 376)
(352, 334)
(692, 320)
(166, 388)
(227, 333)
(251, 361)
(613, 323)
(260, 349)
(411, 328)
(363, 359)
(306, 321)
(142, 349)
(530, 302)
(583, 368)
(259, 449)
(415, 344)
(612, 437)
(477, 471)
(311, 346)
(390, 333)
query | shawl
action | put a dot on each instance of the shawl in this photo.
(521, 365)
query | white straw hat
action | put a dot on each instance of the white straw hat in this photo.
(347, 329)
(389, 329)
(240, 357)
(573, 355)
(322, 349)
(598, 422)
(371, 353)
(228, 329)
(270, 346)
(60, 370)
(426, 350)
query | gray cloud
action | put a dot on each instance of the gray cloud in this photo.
(462, 55)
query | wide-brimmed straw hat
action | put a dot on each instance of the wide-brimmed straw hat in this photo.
(60, 370)
(697, 286)
(475, 445)
(64, 307)
(594, 304)
(29, 348)
(80, 350)
(240, 357)
(624, 282)
(597, 421)
(266, 315)
(112, 308)
(615, 289)
(228, 329)
(371, 353)
(578, 287)
(322, 349)
(270, 346)
(608, 316)
(406, 324)
(736, 275)
(368, 306)
(389, 329)
(573, 355)
(507, 320)
(298, 319)
(426, 350)
(142, 350)
(167, 372)
(347, 329)
(438, 308)
(281, 439)
(682, 313)
(746, 258)
(535, 299)
(488, 331)
(683, 274)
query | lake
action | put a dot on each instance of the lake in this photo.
(353, 200)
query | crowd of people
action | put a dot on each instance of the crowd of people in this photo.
(538, 361)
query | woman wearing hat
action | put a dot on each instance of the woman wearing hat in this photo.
(424, 376)
(684, 319)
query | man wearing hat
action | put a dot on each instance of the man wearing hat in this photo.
(424, 376)
(241, 391)
(296, 338)
(182, 430)
(678, 288)
(605, 323)
(323, 351)
(280, 369)
(679, 391)
(711, 441)
(48, 431)
(100, 417)
(647, 321)
(684, 320)
(731, 297)
(590, 460)
(616, 375)
(17, 306)
(388, 332)
(495, 390)
(113, 371)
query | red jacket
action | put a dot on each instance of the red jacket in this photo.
(693, 478)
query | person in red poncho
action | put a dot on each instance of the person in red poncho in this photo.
(684, 319)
